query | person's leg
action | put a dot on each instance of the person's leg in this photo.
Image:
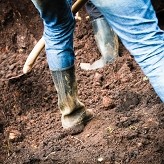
(136, 24)
(105, 37)
(58, 32)
(58, 35)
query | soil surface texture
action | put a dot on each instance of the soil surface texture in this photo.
(128, 123)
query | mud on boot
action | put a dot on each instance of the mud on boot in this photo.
(74, 115)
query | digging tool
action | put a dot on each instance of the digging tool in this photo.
(40, 45)
(33, 56)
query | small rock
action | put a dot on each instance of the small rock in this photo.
(21, 50)
(145, 78)
(107, 102)
(87, 17)
(14, 135)
(100, 159)
(139, 144)
(88, 135)
(21, 41)
(110, 129)
(11, 67)
(98, 77)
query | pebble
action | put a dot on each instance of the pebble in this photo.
(98, 77)
(14, 135)
(11, 67)
(106, 101)
(100, 159)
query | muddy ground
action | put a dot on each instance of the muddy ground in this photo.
(128, 127)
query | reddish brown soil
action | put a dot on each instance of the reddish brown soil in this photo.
(128, 127)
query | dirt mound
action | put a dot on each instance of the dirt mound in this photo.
(128, 126)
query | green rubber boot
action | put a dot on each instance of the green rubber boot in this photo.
(74, 115)
(107, 43)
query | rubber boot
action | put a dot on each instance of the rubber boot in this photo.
(74, 115)
(107, 43)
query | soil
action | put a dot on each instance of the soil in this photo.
(128, 123)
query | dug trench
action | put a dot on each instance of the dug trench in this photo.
(128, 124)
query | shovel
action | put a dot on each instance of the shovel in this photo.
(40, 45)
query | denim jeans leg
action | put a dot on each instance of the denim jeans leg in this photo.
(136, 24)
(58, 32)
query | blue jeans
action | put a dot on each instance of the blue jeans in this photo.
(58, 32)
(134, 21)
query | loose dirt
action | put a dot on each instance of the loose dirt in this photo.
(128, 126)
